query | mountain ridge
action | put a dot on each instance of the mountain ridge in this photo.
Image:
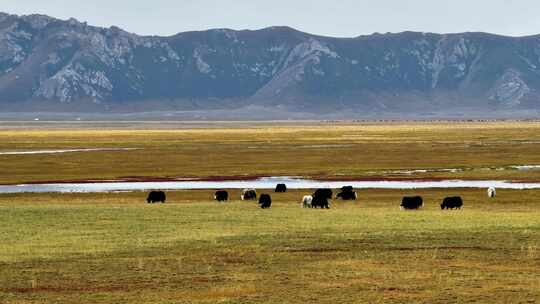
(48, 64)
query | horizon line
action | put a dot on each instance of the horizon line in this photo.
(267, 28)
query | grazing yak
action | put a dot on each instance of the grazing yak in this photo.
(320, 202)
(347, 194)
(492, 192)
(327, 193)
(321, 198)
(412, 203)
(281, 188)
(452, 203)
(156, 197)
(307, 201)
(265, 201)
(248, 195)
(221, 196)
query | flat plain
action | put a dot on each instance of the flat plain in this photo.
(325, 150)
(115, 248)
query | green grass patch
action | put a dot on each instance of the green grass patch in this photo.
(114, 248)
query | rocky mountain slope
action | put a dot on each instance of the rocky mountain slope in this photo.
(48, 64)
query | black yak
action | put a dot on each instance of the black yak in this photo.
(281, 188)
(327, 193)
(156, 197)
(347, 194)
(321, 198)
(221, 196)
(452, 203)
(248, 195)
(265, 201)
(412, 203)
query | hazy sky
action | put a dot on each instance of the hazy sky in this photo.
(343, 18)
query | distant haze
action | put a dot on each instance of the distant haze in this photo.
(345, 18)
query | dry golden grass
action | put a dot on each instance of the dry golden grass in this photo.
(359, 150)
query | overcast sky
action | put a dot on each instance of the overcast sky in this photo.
(342, 18)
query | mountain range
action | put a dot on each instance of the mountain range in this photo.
(52, 65)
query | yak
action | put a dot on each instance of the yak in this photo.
(412, 203)
(281, 188)
(455, 202)
(327, 193)
(248, 195)
(221, 196)
(156, 197)
(492, 192)
(347, 194)
(265, 201)
(307, 201)
(321, 198)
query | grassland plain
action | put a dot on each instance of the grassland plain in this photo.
(329, 150)
(114, 248)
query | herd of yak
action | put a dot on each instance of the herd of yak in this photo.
(321, 198)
